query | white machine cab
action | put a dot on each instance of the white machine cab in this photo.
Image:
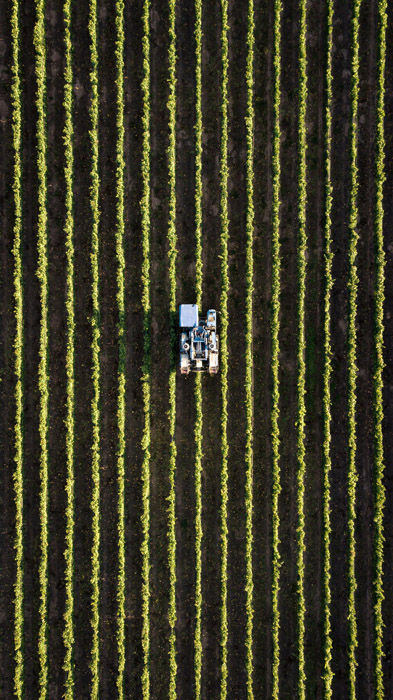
(188, 315)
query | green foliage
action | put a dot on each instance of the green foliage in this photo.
(43, 379)
(198, 379)
(95, 328)
(172, 252)
(172, 536)
(327, 369)
(301, 364)
(171, 153)
(353, 281)
(146, 309)
(198, 152)
(379, 498)
(248, 345)
(198, 536)
(68, 137)
(224, 347)
(121, 374)
(275, 362)
(43, 370)
(18, 350)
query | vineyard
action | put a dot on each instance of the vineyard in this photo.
(196, 537)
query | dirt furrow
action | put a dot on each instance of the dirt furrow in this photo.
(387, 608)
(366, 266)
(57, 344)
(83, 384)
(134, 340)
(160, 357)
(236, 348)
(288, 366)
(185, 401)
(316, 48)
(340, 216)
(211, 475)
(31, 335)
(109, 348)
(7, 363)
(263, 102)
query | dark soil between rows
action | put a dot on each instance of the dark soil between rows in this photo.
(161, 350)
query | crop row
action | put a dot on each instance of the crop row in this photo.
(96, 334)
(248, 344)
(172, 242)
(275, 363)
(301, 362)
(198, 379)
(224, 346)
(43, 379)
(121, 373)
(146, 305)
(352, 354)
(379, 361)
(18, 350)
(327, 367)
(68, 633)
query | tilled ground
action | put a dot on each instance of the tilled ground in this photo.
(160, 349)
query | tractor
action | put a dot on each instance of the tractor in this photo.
(198, 340)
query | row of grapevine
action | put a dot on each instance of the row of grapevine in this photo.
(379, 361)
(275, 362)
(198, 378)
(248, 345)
(121, 373)
(224, 346)
(43, 378)
(327, 365)
(352, 354)
(301, 362)
(172, 252)
(146, 307)
(68, 135)
(18, 349)
(96, 334)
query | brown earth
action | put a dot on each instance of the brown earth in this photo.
(7, 567)
(160, 354)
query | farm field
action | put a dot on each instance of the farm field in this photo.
(196, 537)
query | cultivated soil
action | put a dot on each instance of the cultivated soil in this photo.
(161, 350)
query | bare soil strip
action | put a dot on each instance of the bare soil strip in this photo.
(366, 266)
(134, 342)
(160, 362)
(108, 348)
(387, 607)
(57, 346)
(316, 51)
(340, 216)
(264, 23)
(288, 409)
(83, 387)
(185, 398)
(211, 407)
(7, 364)
(31, 335)
(236, 363)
